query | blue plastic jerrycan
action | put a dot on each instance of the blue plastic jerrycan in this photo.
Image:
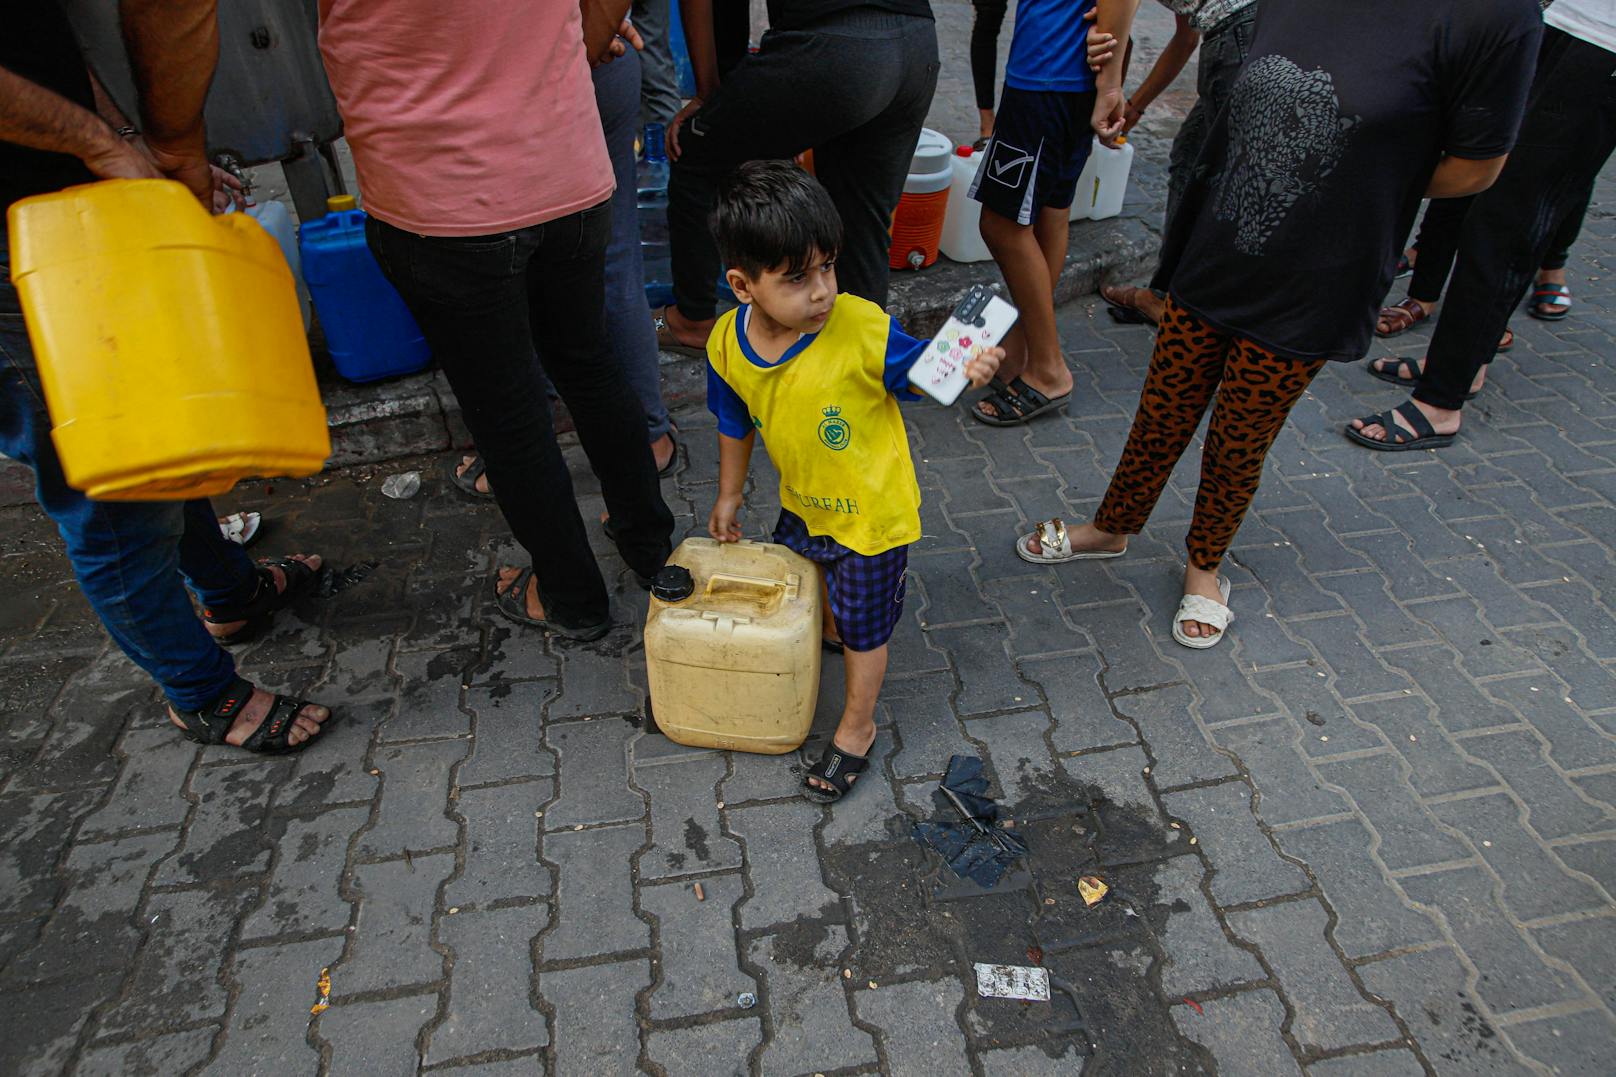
(368, 329)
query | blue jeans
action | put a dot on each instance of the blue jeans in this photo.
(628, 324)
(132, 558)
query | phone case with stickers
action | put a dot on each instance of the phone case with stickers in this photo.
(981, 320)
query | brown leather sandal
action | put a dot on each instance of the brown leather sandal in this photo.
(1400, 317)
(667, 342)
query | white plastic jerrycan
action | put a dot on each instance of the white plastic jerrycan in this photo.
(1104, 182)
(962, 232)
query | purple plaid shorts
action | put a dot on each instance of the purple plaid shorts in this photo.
(866, 592)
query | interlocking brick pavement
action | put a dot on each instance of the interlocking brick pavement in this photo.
(1373, 833)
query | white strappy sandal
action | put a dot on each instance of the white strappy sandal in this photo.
(1055, 546)
(240, 527)
(1207, 612)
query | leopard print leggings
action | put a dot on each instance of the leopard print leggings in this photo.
(1255, 392)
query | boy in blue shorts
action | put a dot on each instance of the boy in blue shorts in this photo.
(816, 374)
(1026, 183)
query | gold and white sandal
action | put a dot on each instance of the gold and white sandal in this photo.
(1055, 546)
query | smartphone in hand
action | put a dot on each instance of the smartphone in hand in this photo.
(980, 320)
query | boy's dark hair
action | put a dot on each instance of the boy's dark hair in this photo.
(772, 214)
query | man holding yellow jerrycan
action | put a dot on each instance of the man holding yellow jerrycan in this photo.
(133, 558)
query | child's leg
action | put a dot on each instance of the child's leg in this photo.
(865, 672)
(827, 617)
(1026, 268)
(866, 596)
(1026, 185)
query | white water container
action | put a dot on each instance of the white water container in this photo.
(962, 223)
(277, 221)
(1112, 167)
(1104, 182)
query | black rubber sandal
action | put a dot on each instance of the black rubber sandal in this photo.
(1425, 435)
(1394, 373)
(466, 481)
(511, 604)
(673, 458)
(265, 602)
(274, 733)
(1017, 403)
(835, 767)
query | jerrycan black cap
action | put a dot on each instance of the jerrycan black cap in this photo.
(673, 584)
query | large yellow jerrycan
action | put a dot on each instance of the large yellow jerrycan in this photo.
(169, 341)
(732, 646)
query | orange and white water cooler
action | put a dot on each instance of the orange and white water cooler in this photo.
(917, 226)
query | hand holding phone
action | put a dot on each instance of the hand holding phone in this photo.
(978, 325)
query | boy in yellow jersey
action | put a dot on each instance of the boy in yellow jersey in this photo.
(816, 374)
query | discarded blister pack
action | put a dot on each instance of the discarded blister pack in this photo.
(1024, 982)
(981, 320)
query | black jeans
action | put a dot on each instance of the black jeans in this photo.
(1438, 246)
(854, 88)
(1438, 242)
(1566, 138)
(1565, 235)
(484, 303)
(1221, 57)
(985, 49)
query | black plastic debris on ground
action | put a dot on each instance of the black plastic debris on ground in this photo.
(969, 839)
(333, 581)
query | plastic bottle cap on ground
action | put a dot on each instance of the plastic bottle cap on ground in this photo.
(338, 202)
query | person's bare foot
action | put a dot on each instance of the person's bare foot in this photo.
(507, 576)
(482, 480)
(684, 331)
(662, 451)
(307, 723)
(1201, 582)
(1084, 538)
(1441, 420)
(1133, 297)
(226, 629)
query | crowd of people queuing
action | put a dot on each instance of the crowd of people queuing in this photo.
(496, 158)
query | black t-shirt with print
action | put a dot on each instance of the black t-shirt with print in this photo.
(1312, 175)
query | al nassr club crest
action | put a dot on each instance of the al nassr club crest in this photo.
(834, 431)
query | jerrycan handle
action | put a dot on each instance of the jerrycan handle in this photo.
(724, 623)
(791, 585)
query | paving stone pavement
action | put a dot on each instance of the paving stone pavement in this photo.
(1373, 833)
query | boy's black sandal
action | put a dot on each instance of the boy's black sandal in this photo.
(273, 735)
(265, 602)
(835, 767)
